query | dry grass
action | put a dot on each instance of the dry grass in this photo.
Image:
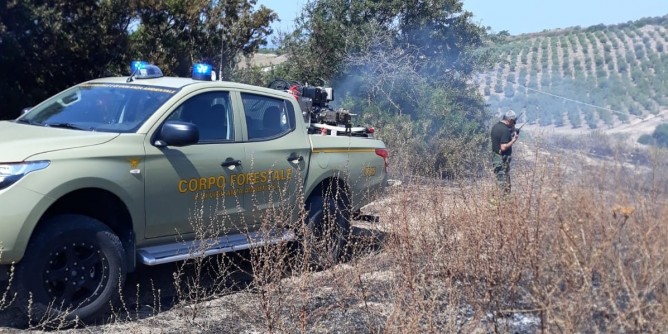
(575, 248)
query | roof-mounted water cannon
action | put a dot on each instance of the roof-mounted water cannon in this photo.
(320, 96)
(314, 102)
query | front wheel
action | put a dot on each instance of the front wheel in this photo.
(326, 232)
(72, 268)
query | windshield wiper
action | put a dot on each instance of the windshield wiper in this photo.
(65, 126)
(27, 121)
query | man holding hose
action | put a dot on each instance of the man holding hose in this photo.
(503, 137)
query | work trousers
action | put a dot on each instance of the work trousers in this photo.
(501, 165)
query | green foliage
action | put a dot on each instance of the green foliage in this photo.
(605, 116)
(397, 60)
(646, 139)
(498, 87)
(524, 58)
(47, 46)
(522, 80)
(545, 80)
(623, 68)
(509, 91)
(660, 135)
(176, 34)
(573, 115)
(249, 75)
(640, 51)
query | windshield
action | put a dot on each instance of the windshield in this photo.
(100, 107)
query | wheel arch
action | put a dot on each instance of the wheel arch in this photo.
(101, 205)
(332, 186)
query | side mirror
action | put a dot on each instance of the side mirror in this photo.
(177, 133)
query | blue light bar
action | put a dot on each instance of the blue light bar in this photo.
(202, 72)
(138, 64)
(149, 72)
(143, 70)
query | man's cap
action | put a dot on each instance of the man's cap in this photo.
(510, 115)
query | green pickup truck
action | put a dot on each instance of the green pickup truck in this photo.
(119, 171)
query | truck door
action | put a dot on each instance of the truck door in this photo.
(276, 157)
(188, 188)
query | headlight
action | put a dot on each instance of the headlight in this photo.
(12, 172)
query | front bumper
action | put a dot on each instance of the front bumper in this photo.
(20, 209)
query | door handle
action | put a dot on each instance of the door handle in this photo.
(295, 158)
(231, 163)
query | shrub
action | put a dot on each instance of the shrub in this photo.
(646, 139)
(660, 135)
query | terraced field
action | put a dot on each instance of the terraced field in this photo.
(600, 77)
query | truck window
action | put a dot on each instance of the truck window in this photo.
(101, 107)
(212, 114)
(267, 117)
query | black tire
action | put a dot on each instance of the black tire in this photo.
(72, 268)
(327, 229)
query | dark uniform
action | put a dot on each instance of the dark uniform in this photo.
(502, 134)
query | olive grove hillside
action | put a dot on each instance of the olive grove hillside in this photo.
(610, 79)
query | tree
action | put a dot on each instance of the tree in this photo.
(396, 60)
(176, 34)
(438, 32)
(660, 135)
(48, 46)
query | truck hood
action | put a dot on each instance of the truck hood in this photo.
(19, 142)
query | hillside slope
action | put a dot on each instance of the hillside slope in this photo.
(607, 78)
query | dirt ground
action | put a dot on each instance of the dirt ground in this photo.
(629, 131)
(152, 305)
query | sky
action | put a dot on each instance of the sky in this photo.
(522, 16)
(287, 11)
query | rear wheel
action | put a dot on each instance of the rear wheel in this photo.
(326, 235)
(72, 268)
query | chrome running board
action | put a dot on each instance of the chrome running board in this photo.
(185, 250)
